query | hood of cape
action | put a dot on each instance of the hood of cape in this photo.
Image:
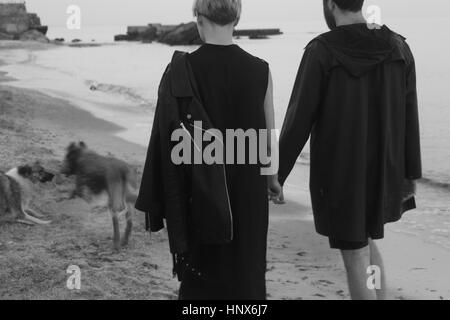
(359, 48)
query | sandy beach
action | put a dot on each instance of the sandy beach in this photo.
(33, 260)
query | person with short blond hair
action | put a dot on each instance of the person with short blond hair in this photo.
(220, 12)
(219, 247)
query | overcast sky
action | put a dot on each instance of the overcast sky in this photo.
(126, 12)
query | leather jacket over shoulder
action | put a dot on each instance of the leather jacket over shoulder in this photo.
(192, 198)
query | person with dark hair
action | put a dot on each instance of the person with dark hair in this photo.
(355, 94)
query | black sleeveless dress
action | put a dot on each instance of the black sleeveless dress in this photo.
(232, 85)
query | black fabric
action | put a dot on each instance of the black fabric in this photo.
(193, 199)
(232, 85)
(355, 94)
(347, 4)
(347, 245)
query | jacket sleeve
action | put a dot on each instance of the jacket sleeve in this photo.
(163, 193)
(413, 163)
(303, 108)
(150, 199)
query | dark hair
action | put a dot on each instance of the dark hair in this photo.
(350, 5)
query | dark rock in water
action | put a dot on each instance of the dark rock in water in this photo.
(76, 41)
(41, 29)
(143, 33)
(122, 37)
(257, 33)
(162, 29)
(149, 35)
(59, 40)
(258, 37)
(33, 35)
(184, 34)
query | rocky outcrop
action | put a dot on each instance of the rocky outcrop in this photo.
(33, 35)
(17, 23)
(5, 36)
(182, 34)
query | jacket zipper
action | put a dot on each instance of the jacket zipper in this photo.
(192, 139)
(224, 175)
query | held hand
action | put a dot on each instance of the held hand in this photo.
(275, 190)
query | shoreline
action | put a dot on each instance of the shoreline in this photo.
(33, 260)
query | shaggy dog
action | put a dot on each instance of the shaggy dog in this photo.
(16, 187)
(97, 175)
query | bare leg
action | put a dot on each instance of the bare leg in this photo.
(356, 264)
(377, 260)
(129, 227)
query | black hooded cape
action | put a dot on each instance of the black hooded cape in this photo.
(355, 95)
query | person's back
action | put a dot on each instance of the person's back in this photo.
(366, 136)
(355, 94)
(216, 210)
(232, 86)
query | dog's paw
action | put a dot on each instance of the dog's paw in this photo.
(116, 248)
(124, 243)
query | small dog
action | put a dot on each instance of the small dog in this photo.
(15, 194)
(96, 175)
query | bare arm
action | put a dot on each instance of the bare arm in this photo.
(272, 143)
(275, 189)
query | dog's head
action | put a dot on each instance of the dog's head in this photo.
(35, 173)
(74, 153)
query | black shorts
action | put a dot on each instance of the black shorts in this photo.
(347, 245)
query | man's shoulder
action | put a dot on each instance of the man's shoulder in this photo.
(399, 41)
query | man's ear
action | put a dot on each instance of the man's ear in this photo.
(331, 5)
(200, 20)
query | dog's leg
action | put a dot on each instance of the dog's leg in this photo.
(78, 192)
(116, 205)
(129, 227)
(116, 235)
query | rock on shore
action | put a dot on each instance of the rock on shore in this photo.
(17, 24)
(182, 34)
(33, 35)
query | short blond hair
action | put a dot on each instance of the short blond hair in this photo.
(221, 12)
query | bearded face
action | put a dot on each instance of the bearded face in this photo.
(329, 17)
